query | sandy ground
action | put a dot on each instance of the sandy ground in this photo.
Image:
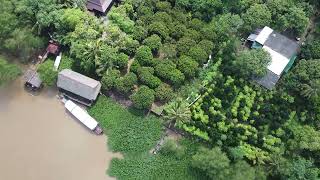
(39, 140)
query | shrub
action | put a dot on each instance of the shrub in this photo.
(144, 56)
(164, 92)
(109, 79)
(8, 72)
(146, 77)
(135, 67)
(47, 74)
(66, 63)
(126, 83)
(167, 70)
(143, 98)
(153, 42)
(121, 60)
(187, 66)
(184, 45)
(171, 147)
(198, 54)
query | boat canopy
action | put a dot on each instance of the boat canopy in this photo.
(81, 115)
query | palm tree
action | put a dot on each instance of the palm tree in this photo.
(177, 112)
(311, 91)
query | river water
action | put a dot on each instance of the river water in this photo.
(39, 140)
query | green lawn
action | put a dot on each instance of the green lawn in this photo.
(134, 135)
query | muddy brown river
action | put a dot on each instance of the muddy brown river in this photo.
(39, 140)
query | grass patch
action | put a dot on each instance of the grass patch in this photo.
(127, 132)
(167, 166)
(132, 134)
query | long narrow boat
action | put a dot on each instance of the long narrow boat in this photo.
(83, 117)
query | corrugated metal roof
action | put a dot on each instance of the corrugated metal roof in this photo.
(99, 5)
(278, 62)
(282, 45)
(264, 34)
(33, 78)
(78, 84)
(269, 81)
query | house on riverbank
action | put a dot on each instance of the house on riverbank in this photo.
(78, 87)
(283, 52)
(99, 5)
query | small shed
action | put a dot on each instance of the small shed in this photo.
(78, 87)
(53, 48)
(99, 5)
(32, 80)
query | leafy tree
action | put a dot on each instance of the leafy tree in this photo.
(167, 71)
(8, 72)
(198, 54)
(144, 56)
(23, 43)
(177, 112)
(41, 14)
(311, 50)
(207, 46)
(153, 42)
(178, 31)
(168, 51)
(160, 29)
(304, 79)
(295, 19)
(164, 92)
(184, 45)
(8, 19)
(214, 163)
(121, 60)
(139, 33)
(298, 168)
(187, 66)
(110, 78)
(126, 83)
(143, 98)
(146, 77)
(47, 74)
(252, 63)
(257, 16)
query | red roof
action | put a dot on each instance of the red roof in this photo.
(53, 48)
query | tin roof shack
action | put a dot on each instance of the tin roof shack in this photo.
(32, 80)
(78, 87)
(99, 5)
(282, 50)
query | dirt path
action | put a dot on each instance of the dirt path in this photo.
(129, 64)
(41, 141)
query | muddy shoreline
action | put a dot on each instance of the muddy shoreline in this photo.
(40, 140)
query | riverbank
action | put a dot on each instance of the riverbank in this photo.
(40, 140)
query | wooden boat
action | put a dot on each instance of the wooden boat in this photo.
(83, 116)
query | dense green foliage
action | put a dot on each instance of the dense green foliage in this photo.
(252, 63)
(127, 132)
(143, 98)
(47, 73)
(8, 72)
(250, 133)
